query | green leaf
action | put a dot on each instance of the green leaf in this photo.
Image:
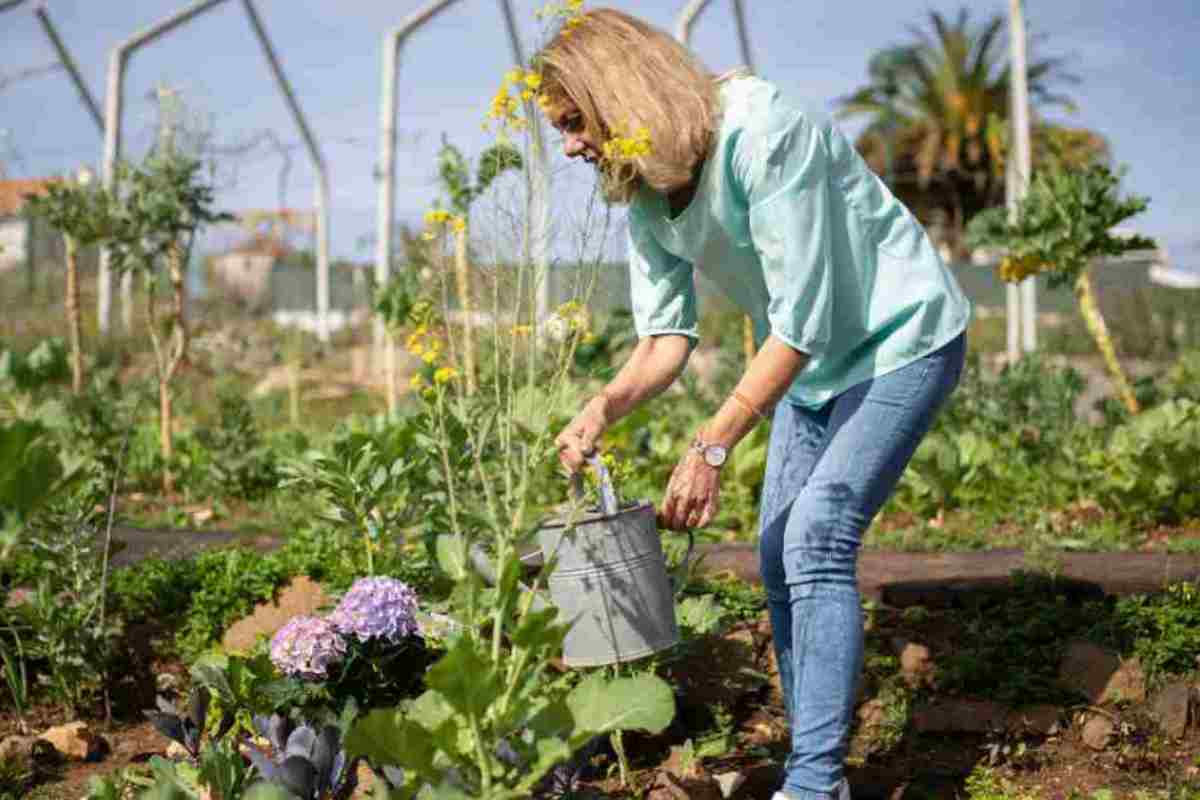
(643, 702)
(452, 555)
(465, 678)
(267, 791)
(388, 737)
(540, 629)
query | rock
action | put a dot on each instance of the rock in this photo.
(1170, 708)
(960, 716)
(1098, 731)
(76, 742)
(669, 787)
(916, 662)
(17, 753)
(729, 782)
(1090, 670)
(1128, 683)
(302, 596)
(1041, 719)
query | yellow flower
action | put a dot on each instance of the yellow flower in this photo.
(430, 355)
(445, 375)
(512, 76)
(1015, 270)
(533, 80)
(417, 381)
(628, 148)
(459, 224)
(527, 94)
(522, 330)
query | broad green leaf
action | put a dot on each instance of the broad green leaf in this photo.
(466, 679)
(540, 629)
(386, 736)
(452, 556)
(644, 702)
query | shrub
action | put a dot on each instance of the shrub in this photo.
(1150, 470)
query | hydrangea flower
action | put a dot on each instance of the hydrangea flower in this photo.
(306, 646)
(377, 608)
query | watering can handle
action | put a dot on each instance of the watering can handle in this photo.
(680, 574)
(608, 495)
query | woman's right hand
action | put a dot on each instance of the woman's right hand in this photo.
(578, 439)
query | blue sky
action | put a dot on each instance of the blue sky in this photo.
(1138, 62)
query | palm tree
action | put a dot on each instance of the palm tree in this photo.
(939, 103)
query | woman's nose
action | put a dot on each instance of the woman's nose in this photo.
(572, 145)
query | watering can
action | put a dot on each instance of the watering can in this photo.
(609, 580)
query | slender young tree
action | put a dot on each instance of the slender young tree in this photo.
(165, 203)
(1061, 227)
(81, 212)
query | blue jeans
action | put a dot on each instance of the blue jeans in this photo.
(828, 473)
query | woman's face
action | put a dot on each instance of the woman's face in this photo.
(568, 120)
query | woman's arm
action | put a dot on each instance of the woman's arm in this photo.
(654, 364)
(691, 499)
(767, 378)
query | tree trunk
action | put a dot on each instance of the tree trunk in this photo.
(166, 446)
(464, 302)
(171, 360)
(1099, 331)
(73, 323)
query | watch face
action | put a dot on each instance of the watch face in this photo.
(714, 455)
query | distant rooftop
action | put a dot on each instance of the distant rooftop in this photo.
(12, 193)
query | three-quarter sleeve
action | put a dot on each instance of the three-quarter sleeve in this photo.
(782, 169)
(662, 291)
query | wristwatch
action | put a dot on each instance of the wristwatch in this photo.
(714, 454)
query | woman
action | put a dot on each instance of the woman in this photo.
(861, 329)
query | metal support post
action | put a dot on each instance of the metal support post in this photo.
(322, 190)
(683, 23)
(85, 94)
(113, 102)
(1022, 156)
(386, 170)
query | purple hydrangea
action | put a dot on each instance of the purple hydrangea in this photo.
(306, 646)
(377, 608)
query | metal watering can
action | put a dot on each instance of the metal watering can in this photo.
(610, 579)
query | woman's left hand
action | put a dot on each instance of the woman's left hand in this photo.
(691, 499)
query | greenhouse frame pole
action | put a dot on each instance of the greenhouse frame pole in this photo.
(393, 40)
(538, 207)
(64, 55)
(687, 17)
(743, 34)
(114, 101)
(118, 59)
(1022, 158)
(318, 162)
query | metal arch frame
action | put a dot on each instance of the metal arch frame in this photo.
(114, 100)
(393, 40)
(64, 55)
(691, 12)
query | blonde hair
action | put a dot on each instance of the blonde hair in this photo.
(625, 75)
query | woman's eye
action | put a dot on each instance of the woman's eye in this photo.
(573, 123)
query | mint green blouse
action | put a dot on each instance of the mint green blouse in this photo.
(790, 223)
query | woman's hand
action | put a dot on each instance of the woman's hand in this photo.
(691, 500)
(578, 439)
